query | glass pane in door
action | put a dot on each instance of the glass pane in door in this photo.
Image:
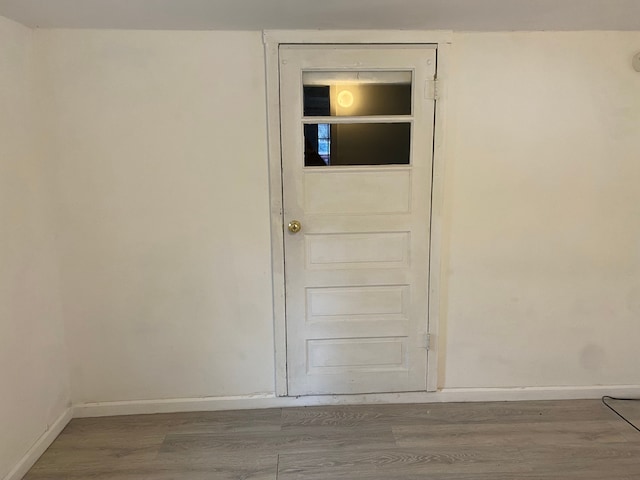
(356, 93)
(357, 144)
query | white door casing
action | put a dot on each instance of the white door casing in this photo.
(357, 274)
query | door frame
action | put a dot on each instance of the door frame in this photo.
(272, 40)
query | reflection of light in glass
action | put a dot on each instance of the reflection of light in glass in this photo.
(345, 98)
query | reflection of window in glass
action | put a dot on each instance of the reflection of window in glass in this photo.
(324, 142)
(357, 144)
(313, 145)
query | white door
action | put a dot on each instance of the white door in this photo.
(357, 137)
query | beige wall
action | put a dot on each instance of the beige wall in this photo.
(543, 210)
(163, 193)
(34, 382)
(162, 187)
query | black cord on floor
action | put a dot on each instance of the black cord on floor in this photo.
(604, 401)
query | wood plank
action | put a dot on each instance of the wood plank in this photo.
(400, 463)
(509, 434)
(185, 467)
(584, 461)
(301, 440)
(188, 422)
(447, 413)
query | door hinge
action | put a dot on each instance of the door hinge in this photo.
(426, 341)
(432, 89)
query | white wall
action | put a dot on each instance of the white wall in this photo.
(34, 381)
(543, 210)
(162, 197)
(162, 182)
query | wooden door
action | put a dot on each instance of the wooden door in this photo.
(357, 143)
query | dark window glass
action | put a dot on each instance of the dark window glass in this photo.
(356, 93)
(357, 144)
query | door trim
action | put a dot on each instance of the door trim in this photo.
(272, 41)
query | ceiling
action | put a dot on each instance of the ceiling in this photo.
(481, 15)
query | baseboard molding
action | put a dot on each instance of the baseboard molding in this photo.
(538, 393)
(175, 405)
(38, 448)
(269, 400)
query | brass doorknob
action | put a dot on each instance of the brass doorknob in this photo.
(294, 226)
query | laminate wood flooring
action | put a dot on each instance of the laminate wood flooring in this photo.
(456, 441)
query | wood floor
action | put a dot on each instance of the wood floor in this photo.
(492, 441)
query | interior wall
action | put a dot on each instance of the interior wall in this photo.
(34, 380)
(163, 207)
(162, 200)
(542, 272)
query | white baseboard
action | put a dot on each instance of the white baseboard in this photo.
(38, 448)
(269, 400)
(538, 393)
(174, 405)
